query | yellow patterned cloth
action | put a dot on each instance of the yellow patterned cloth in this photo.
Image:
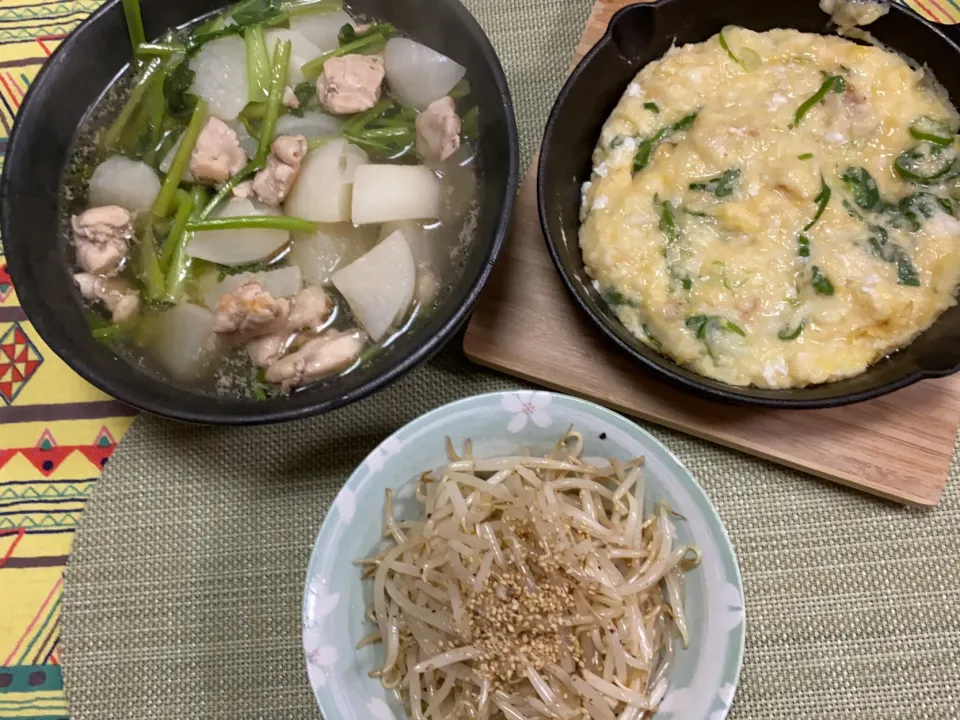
(56, 431)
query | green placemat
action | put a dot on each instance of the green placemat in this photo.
(182, 596)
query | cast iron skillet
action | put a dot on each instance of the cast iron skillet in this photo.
(74, 78)
(640, 34)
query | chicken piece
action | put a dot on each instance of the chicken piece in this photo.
(101, 238)
(117, 296)
(350, 84)
(218, 154)
(290, 99)
(265, 351)
(318, 358)
(250, 312)
(310, 309)
(438, 130)
(244, 190)
(274, 182)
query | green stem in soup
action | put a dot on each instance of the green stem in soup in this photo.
(647, 147)
(258, 63)
(176, 228)
(251, 222)
(147, 265)
(164, 51)
(131, 11)
(831, 83)
(820, 282)
(281, 61)
(928, 164)
(723, 185)
(927, 129)
(171, 183)
(374, 42)
(348, 33)
(822, 200)
(224, 192)
(178, 264)
(111, 138)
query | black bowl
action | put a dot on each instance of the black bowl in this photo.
(640, 34)
(74, 78)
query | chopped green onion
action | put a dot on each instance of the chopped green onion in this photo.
(803, 246)
(831, 83)
(927, 164)
(647, 147)
(787, 334)
(668, 221)
(927, 129)
(749, 59)
(822, 200)
(722, 185)
(881, 246)
(254, 222)
(652, 107)
(805, 156)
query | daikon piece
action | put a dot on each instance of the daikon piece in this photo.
(184, 342)
(282, 282)
(323, 190)
(131, 184)
(379, 286)
(312, 125)
(302, 51)
(221, 76)
(321, 29)
(423, 243)
(322, 253)
(383, 193)
(417, 74)
(238, 247)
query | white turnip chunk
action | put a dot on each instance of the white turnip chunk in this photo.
(221, 77)
(312, 125)
(282, 282)
(383, 193)
(379, 286)
(321, 254)
(422, 242)
(323, 191)
(321, 29)
(302, 51)
(238, 247)
(417, 74)
(131, 184)
(184, 343)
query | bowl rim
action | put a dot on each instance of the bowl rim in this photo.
(655, 362)
(388, 447)
(33, 305)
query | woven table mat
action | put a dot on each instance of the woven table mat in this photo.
(182, 596)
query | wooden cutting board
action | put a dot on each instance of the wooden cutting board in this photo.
(526, 324)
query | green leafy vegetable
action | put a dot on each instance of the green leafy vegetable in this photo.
(151, 73)
(912, 210)
(851, 210)
(171, 183)
(880, 245)
(348, 34)
(803, 246)
(175, 260)
(305, 91)
(131, 11)
(259, 222)
(805, 156)
(703, 326)
(822, 200)
(821, 283)
(647, 147)
(161, 50)
(176, 89)
(652, 107)
(278, 82)
(615, 298)
(863, 187)
(787, 334)
(722, 185)
(928, 164)
(831, 83)
(668, 221)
